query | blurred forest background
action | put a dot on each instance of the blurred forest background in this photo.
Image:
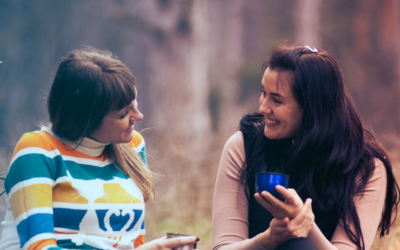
(198, 68)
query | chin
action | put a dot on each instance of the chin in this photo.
(270, 135)
(127, 139)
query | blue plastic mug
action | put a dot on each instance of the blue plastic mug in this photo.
(269, 180)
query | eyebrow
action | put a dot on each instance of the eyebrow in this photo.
(274, 94)
(277, 95)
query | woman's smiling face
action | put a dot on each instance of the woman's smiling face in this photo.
(283, 115)
(117, 126)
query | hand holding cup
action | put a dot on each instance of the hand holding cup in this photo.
(272, 193)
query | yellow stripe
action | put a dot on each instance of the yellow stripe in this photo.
(115, 194)
(64, 192)
(137, 139)
(27, 198)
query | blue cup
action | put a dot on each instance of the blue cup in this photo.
(269, 180)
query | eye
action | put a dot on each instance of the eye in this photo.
(262, 92)
(124, 115)
(277, 101)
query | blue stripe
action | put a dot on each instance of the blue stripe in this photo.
(68, 218)
(118, 222)
(34, 225)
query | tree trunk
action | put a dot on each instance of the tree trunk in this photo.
(308, 20)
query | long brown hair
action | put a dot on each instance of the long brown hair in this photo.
(332, 148)
(88, 85)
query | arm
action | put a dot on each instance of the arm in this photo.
(29, 189)
(369, 209)
(230, 206)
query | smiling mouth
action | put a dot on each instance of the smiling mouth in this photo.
(271, 121)
(130, 127)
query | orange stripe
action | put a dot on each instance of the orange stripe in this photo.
(42, 139)
(139, 241)
(42, 243)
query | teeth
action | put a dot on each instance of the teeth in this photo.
(272, 121)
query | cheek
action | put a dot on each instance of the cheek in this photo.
(298, 121)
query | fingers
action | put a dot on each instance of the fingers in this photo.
(290, 195)
(180, 241)
(301, 225)
(274, 206)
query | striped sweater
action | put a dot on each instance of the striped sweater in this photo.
(73, 199)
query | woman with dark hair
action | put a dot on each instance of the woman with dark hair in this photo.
(307, 128)
(82, 182)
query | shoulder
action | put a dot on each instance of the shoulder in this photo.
(137, 141)
(234, 153)
(236, 141)
(36, 139)
(379, 174)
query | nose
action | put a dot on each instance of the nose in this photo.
(264, 107)
(136, 116)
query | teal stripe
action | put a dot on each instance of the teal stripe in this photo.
(36, 165)
(89, 172)
(27, 167)
(142, 153)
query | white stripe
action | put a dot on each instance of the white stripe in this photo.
(30, 182)
(75, 206)
(35, 150)
(85, 161)
(38, 237)
(139, 147)
(54, 153)
(37, 210)
(62, 179)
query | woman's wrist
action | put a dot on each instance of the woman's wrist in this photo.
(265, 239)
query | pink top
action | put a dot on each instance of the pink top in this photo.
(230, 208)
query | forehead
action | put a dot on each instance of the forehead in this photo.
(277, 81)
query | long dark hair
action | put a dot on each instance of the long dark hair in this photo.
(89, 84)
(332, 148)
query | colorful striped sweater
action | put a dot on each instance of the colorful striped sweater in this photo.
(66, 199)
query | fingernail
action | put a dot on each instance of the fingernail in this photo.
(197, 239)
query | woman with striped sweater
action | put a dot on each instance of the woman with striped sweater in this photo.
(82, 182)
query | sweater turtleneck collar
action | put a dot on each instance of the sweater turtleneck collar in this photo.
(87, 146)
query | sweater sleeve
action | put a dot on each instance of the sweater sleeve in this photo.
(29, 189)
(230, 207)
(369, 209)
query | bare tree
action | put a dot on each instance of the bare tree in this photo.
(307, 14)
